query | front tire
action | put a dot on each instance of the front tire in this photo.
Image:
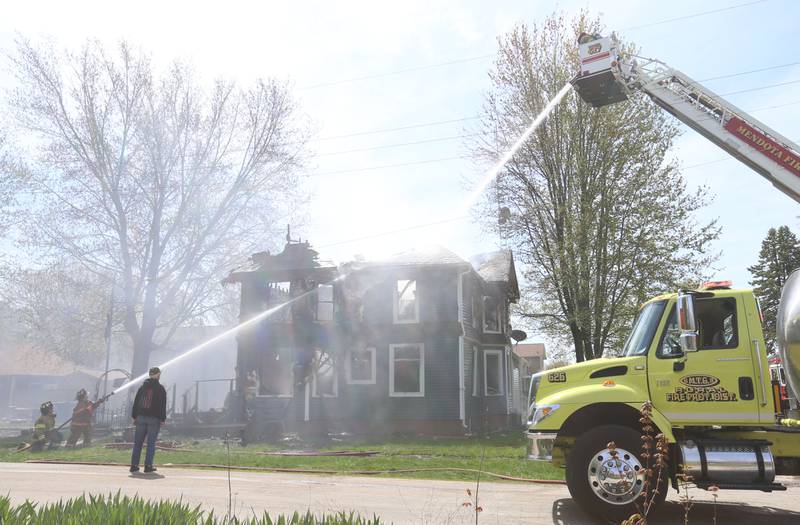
(610, 483)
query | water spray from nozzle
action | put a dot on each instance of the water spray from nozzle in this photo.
(253, 320)
(491, 175)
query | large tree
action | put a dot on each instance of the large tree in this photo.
(598, 214)
(778, 258)
(62, 309)
(150, 178)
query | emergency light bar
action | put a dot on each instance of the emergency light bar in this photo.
(717, 285)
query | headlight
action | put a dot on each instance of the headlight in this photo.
(540, 413)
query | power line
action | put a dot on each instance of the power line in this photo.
(490, 55)
(397, 72)
(749, 72)
(401, 144)
(400, 128)
(477, 117)
(385, 166)
(759, 88)
(695, 15)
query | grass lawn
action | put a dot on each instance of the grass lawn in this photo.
(503, 454)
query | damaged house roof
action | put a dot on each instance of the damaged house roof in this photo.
(498, 267)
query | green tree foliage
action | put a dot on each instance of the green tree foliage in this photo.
(778, 258)
(598, 214)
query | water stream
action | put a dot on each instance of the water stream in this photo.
(469, 201)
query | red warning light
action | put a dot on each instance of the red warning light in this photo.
(716, 285)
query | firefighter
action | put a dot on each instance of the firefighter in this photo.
(44, 432)
(81, 424)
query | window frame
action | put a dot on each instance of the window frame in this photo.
(497, 313)
(396, 303)
(392, 392)
(373, 380)
(476, 352)
(332, 302)
(673, 310)
(335, 394)
(500, 374)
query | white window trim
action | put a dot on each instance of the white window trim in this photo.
(396, 303)
(332, 302)
(499, 320)
(421, 393)
(475, 355)
(372, 381)
(335, 385)
(499, 354)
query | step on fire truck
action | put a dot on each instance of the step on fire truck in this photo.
(697, 355)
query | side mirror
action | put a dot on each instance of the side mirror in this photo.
(687, 323)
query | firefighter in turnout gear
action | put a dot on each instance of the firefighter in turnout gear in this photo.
(44, 433)
(81, 425)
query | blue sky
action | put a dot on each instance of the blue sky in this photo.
(322, 46)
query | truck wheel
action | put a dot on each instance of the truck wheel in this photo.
(609, 484)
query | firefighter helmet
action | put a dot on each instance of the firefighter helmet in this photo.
(82, 394)
(46, 408)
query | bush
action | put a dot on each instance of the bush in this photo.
(116, 509)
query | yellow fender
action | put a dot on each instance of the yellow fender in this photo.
(661, 422)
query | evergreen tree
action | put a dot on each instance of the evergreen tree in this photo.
(779, 257)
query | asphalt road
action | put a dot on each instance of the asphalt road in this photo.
(398, 501)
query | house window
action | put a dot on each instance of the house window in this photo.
(361, 366)
(476, 311)
(325, 302)
(491, 315)
(325, 382)
(493, 372)
(278, 295)
(406, 305)
(275, 376)
(475, 364)
(407, 370)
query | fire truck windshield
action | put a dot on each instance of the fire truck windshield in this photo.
(643, 329)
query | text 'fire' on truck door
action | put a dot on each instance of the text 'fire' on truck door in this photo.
(718, 384)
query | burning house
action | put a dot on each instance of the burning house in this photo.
(416, 343)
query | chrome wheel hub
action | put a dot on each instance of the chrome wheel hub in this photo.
(616, 477)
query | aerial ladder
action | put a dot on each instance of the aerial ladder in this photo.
(608, 76)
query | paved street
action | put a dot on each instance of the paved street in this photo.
(399, 501)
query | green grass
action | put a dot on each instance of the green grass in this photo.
(504, 454)
(116, 509)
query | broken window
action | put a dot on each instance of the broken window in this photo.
(406, 370)
(361, 366)
(277, 295)
(406, 306)
(491, 314)
(493, 372)
(325, 382)
(275, 373)
(325, 302)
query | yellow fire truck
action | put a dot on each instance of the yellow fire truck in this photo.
(697, 355)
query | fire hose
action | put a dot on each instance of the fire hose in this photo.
(311, 471)
(68, 421)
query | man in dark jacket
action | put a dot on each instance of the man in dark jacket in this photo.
(149, 412)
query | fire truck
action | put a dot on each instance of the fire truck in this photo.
(697, 356)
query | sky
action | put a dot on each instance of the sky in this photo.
(359, 69)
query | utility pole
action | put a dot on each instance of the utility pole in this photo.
(109, 324)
